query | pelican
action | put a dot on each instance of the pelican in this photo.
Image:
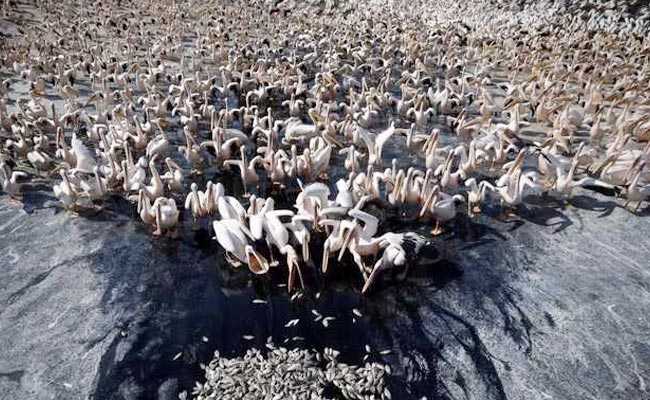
(159, 144)
(230, 208)
(85, 162)
(475, 196)
(95, 190)
(174, 176)
(63, 152)
(375, 142)
(166, 214)
(395, 254)
(39, 159)
(64, 191)
(191, 151)
(419, 115)
(565, 183)
(234, 237)
(246, 169)
(193, 202)
(295, 105)
(636, 192)
(522, 185)
(442, 206)
(156, 188)
(9, 180)
(278, 235)
(145, 210)
(351, 162)
(336, 238)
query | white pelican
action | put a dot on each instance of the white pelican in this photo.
(64, 191)
(174, 176)
(85, 162)
(394, 254)
(233, 236)
(636, 192)
(419, 115)
(145, 211)
(156, 188)
(247, 170)
(159, 144)
(166, 214)
(442, 206)
(9, 180)
(95, 190)
(375, 142)
(39, 159)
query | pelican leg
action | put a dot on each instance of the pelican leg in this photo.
(158, 230)
(437, 230)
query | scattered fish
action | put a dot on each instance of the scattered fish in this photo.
(291, 323)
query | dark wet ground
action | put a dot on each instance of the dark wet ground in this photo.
(552, 304)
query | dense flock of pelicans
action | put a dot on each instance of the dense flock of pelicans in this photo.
(486, 100)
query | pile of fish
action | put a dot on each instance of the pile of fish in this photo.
(290, 374)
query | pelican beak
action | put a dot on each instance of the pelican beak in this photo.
(373, 276)
(256, 262)
(346, 240)
(140, 201)
(305, 247)
(316, 119)
(431, 199)
(317, 212)
(292, 264)
(397, 185)
(519, 161)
